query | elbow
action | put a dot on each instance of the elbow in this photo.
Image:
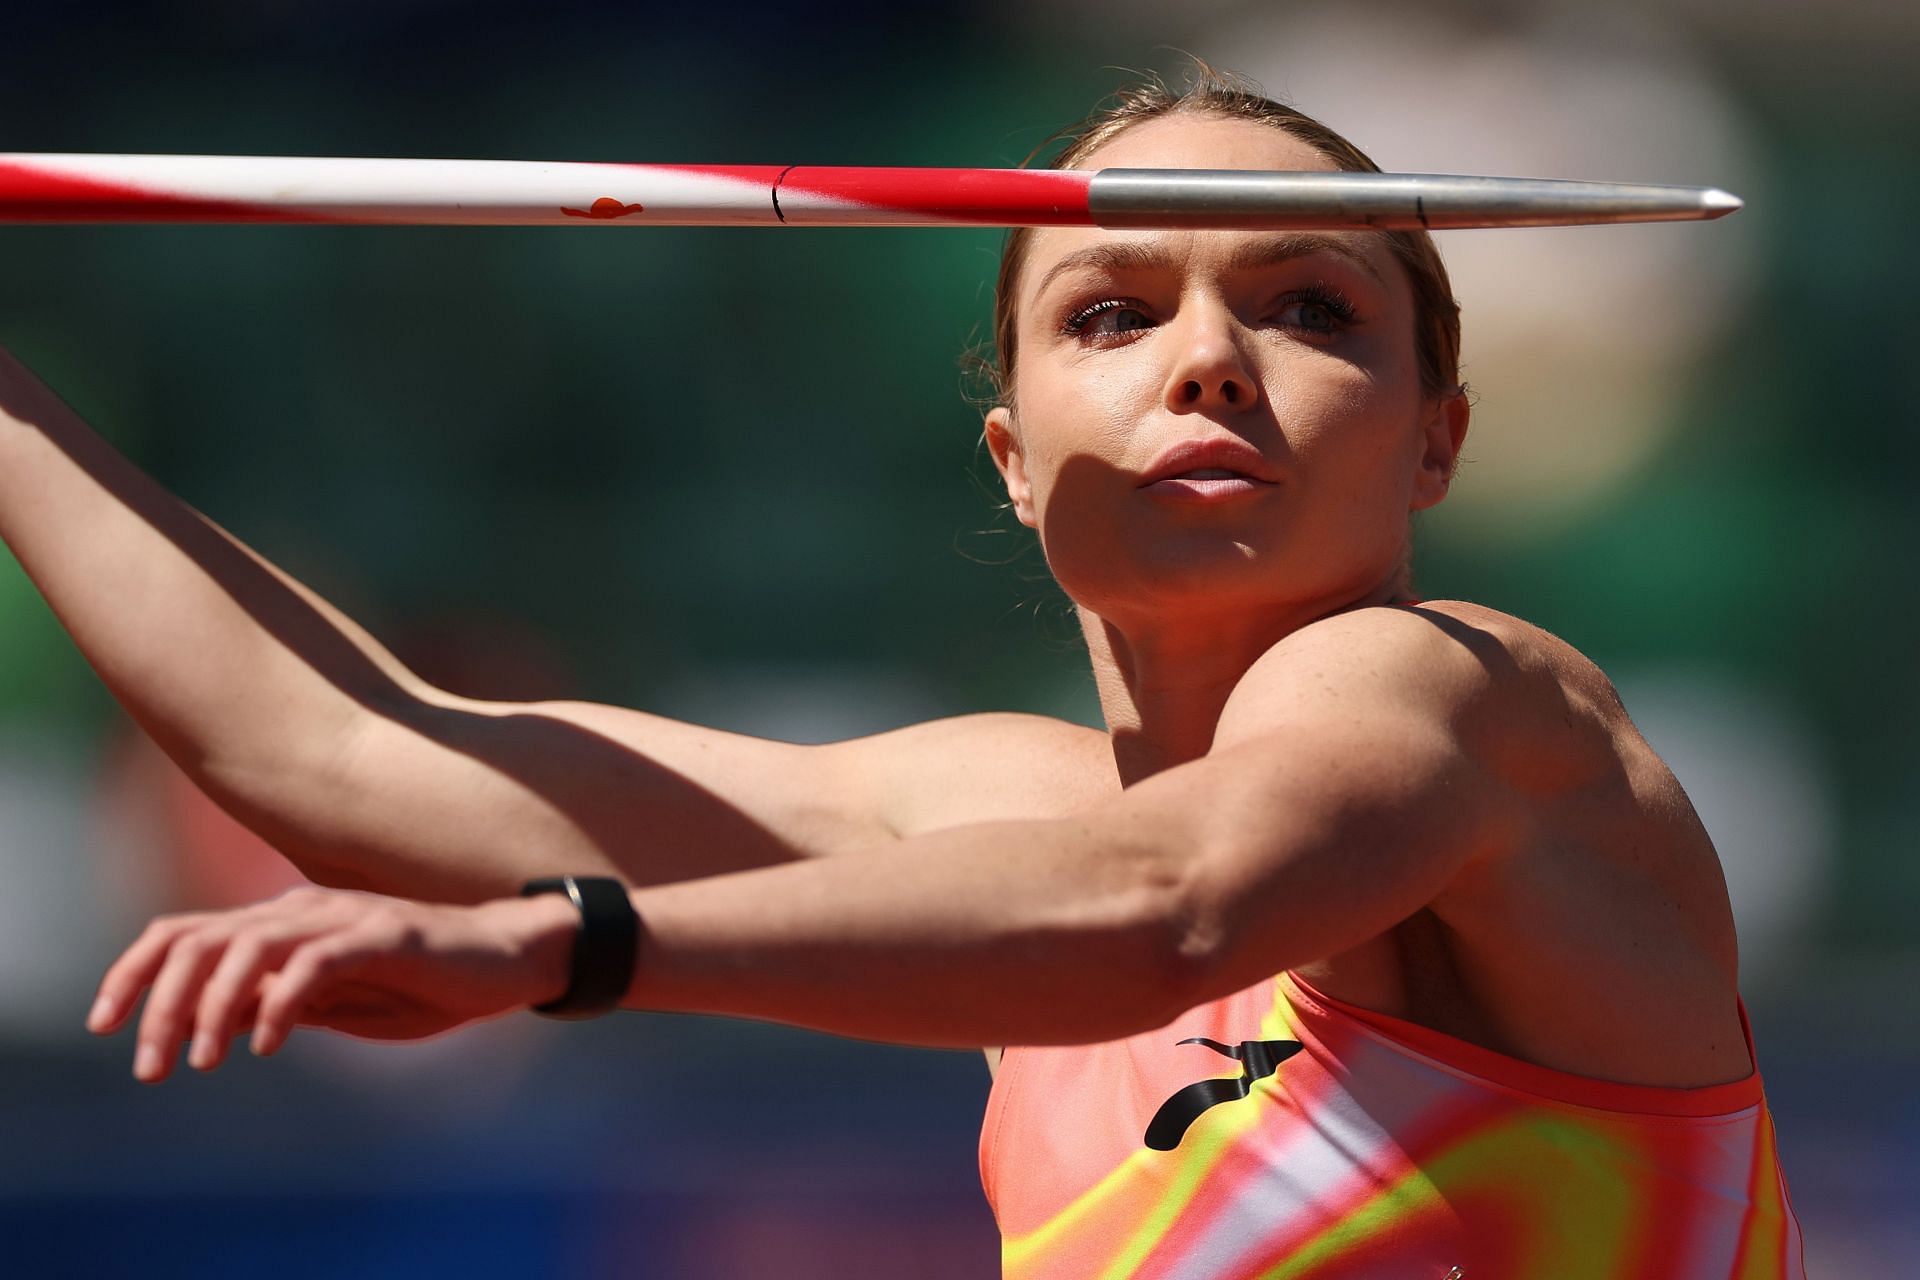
(1184, 934)
(1196, 923)
(1119, 940)
(1194, 968)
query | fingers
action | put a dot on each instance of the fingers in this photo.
(204, 970)
(163, 1026)
(420, 970)
(229, 999)
(136, 967)
(306, 974)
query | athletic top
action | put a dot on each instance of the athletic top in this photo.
(1278, 1132)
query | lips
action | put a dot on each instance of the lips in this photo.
(1222, 458)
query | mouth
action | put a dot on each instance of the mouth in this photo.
(1213, 473)
(1208, 471)
(1206, 484)
(1221, 466)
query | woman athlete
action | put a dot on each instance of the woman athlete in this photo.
(1369, 939)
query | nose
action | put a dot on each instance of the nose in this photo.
(1210, 370)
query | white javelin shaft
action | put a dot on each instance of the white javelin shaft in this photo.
(65, 188)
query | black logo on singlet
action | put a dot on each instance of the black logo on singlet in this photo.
(1260, 1059)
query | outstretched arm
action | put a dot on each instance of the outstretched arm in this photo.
(1309, 829)
(298, 722)
(1347, 789)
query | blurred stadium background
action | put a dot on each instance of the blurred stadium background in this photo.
(731, 476)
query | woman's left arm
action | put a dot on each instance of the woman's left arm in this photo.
(1339, 799)
(1347, 789)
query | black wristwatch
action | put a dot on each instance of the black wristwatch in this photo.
(604, 950)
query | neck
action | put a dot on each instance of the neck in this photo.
(1163, 682)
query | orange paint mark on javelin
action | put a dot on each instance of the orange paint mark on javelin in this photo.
(604, 207)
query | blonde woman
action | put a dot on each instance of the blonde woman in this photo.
(1368, 939)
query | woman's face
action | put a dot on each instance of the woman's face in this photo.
(1292, 353)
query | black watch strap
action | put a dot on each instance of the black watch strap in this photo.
(604, 950)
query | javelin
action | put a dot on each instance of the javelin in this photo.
(71, 188)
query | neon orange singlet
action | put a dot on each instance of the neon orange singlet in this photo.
(1336, 1143)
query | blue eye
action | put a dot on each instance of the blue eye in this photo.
(1319, 309)
(1120, 309)
(1316, 315)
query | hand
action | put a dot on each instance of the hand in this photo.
(363, 964)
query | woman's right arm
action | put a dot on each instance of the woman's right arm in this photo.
(303, 726)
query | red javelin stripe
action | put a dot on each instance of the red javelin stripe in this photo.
(1054, 197)
(34, 195)
(993, 197)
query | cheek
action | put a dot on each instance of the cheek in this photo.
(1084, 414)
(1344, 414)
(1337, 405)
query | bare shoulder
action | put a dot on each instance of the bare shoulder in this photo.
(1602, 943)
(1550, 720)
(1534, 659)
(1536, 717)
(985, 767)
(1522, 702)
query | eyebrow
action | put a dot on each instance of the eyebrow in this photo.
(1141, 255)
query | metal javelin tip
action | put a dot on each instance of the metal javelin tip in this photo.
(1434, 201)
(1718, 203)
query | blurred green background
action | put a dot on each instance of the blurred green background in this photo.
(732, 476)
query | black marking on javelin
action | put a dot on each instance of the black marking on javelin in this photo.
(776, 191)
(1261, 1058)
(1420, 210)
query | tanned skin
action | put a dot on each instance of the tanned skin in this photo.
(1432, 809)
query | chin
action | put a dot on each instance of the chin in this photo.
(1191, 578)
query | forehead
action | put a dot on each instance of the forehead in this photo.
(1187, 141)
(1190, 140)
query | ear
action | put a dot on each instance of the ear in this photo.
(1443, 432)
(1008, 459)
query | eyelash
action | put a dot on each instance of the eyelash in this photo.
(1338, 305)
